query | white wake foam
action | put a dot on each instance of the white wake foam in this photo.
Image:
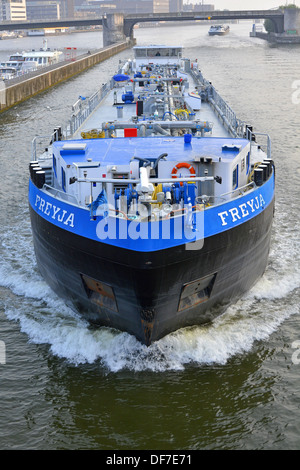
(70, 338)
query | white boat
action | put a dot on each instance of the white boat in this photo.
(28, 61)
(218, 30)
(36, 32)
(43, 57)
(7, 73)
(16, 66)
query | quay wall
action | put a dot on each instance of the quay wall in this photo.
(26, 87)
(277, 38)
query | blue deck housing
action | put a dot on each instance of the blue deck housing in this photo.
(121, 150)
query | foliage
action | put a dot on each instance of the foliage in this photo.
(291, 5)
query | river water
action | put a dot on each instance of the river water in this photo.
(234, 384)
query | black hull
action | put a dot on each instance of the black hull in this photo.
(152, 294)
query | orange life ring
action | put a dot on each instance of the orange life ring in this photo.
(183, 165)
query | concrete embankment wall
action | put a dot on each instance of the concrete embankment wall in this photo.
(277, 38)
(30, 86)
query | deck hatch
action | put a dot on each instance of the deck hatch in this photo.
(196, 292)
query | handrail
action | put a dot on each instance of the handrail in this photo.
(188, 179)
(251, 133)
(58, 192)
(83, 108)
(235, 125)
(239, 189)
(34, 141)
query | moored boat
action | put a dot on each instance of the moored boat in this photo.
(43, 57)
(152, 209)
(7, 72)
(28, 61)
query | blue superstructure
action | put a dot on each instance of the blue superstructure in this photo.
(117, 232)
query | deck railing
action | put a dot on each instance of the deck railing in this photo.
(84, 107)
(235, 126)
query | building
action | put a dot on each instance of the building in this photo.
(94, 8)
(175, 6)
(43, 10)
(99, 7)
(203, 7)
(13, 10)
(131, 6)
(198, 7)
(161, 6)
(66, 8)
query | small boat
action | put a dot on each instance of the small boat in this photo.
(152, 208)
(218, 30)
(36, 32)
(7, 72)
(16, 66)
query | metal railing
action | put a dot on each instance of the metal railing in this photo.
(241, 190)
(235, 126)
(253, 140)
(40, 144)
(57, 193)
(84, 107)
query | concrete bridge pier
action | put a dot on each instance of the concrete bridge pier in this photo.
(292, 20)
(113, 29)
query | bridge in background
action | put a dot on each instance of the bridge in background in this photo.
(276, 16)
(117, 26)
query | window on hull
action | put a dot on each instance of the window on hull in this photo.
(235, 177)
(63, 179)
